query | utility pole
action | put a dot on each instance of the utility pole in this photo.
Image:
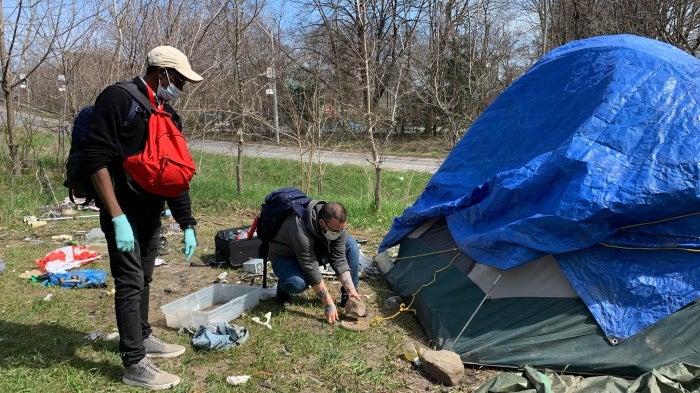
(271, 75)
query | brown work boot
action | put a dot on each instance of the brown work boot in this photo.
(147, 375)
(158, 349)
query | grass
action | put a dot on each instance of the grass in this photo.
(44, 344)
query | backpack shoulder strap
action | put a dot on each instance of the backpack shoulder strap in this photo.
(136, 94)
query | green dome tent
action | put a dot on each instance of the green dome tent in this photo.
(563, 230)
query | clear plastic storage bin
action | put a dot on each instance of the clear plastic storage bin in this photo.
(216, 303)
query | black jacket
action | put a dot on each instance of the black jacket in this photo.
(109, 141)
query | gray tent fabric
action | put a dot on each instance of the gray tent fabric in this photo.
(676, 378)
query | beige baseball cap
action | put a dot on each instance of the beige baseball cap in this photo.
(169, 57)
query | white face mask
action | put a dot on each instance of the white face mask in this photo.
(171, 93)
(331, 235)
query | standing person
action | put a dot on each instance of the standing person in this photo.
(130, 217)
(295, 248)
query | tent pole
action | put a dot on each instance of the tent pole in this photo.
(486, 296)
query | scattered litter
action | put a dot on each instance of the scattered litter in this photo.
(94, 336)
(112, 336)
(286, 350)
(62, 238)
(159, 261)
(163, 246)
(65, 258)
(221, 278)
(219, 335)
(167, 290)
(77, 279)
(33, 222)
(48, 297)
(267, 320)
(2, 266)
(80, 204)
(237, 379)
(89, 206)
(95, 234)
(30, 273)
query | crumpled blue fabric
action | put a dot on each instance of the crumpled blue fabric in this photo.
(85, 278)
(219, 336)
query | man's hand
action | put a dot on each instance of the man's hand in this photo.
(329, 310)
(331, 313)
(123, 234)
(354, 295)
(190, 244)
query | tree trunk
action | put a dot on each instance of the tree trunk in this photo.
(12, 147)
(239, 163)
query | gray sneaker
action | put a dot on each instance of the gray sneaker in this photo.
(158, 349)
(147, 375)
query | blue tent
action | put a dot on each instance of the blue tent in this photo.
(593, 157)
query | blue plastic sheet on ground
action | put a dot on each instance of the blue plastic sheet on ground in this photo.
(593, 155)
(219, 336)
(86, 278)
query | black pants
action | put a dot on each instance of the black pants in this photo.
(133, 273)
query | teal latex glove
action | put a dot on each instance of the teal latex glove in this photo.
(190, 244)
(123, 234)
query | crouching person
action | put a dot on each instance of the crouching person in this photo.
(294, 254)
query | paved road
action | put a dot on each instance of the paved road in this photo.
(429, 165)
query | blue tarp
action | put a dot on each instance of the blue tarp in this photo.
(593, 155)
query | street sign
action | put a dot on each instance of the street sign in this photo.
(61, 82)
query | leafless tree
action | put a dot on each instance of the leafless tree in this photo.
(467, 60)
(674, 21)
(365, 46)
(28, 36)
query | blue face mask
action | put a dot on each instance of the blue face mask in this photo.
(170, 93)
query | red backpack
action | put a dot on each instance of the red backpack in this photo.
(165, 166)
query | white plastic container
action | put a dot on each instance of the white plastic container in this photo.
(216, 303)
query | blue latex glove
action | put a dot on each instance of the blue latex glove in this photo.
(123, 234)
(190, 244)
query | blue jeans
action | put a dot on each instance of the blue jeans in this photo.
(291, 278)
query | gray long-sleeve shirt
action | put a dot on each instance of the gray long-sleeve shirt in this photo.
(301, 240)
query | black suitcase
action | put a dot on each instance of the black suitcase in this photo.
(235, 251)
